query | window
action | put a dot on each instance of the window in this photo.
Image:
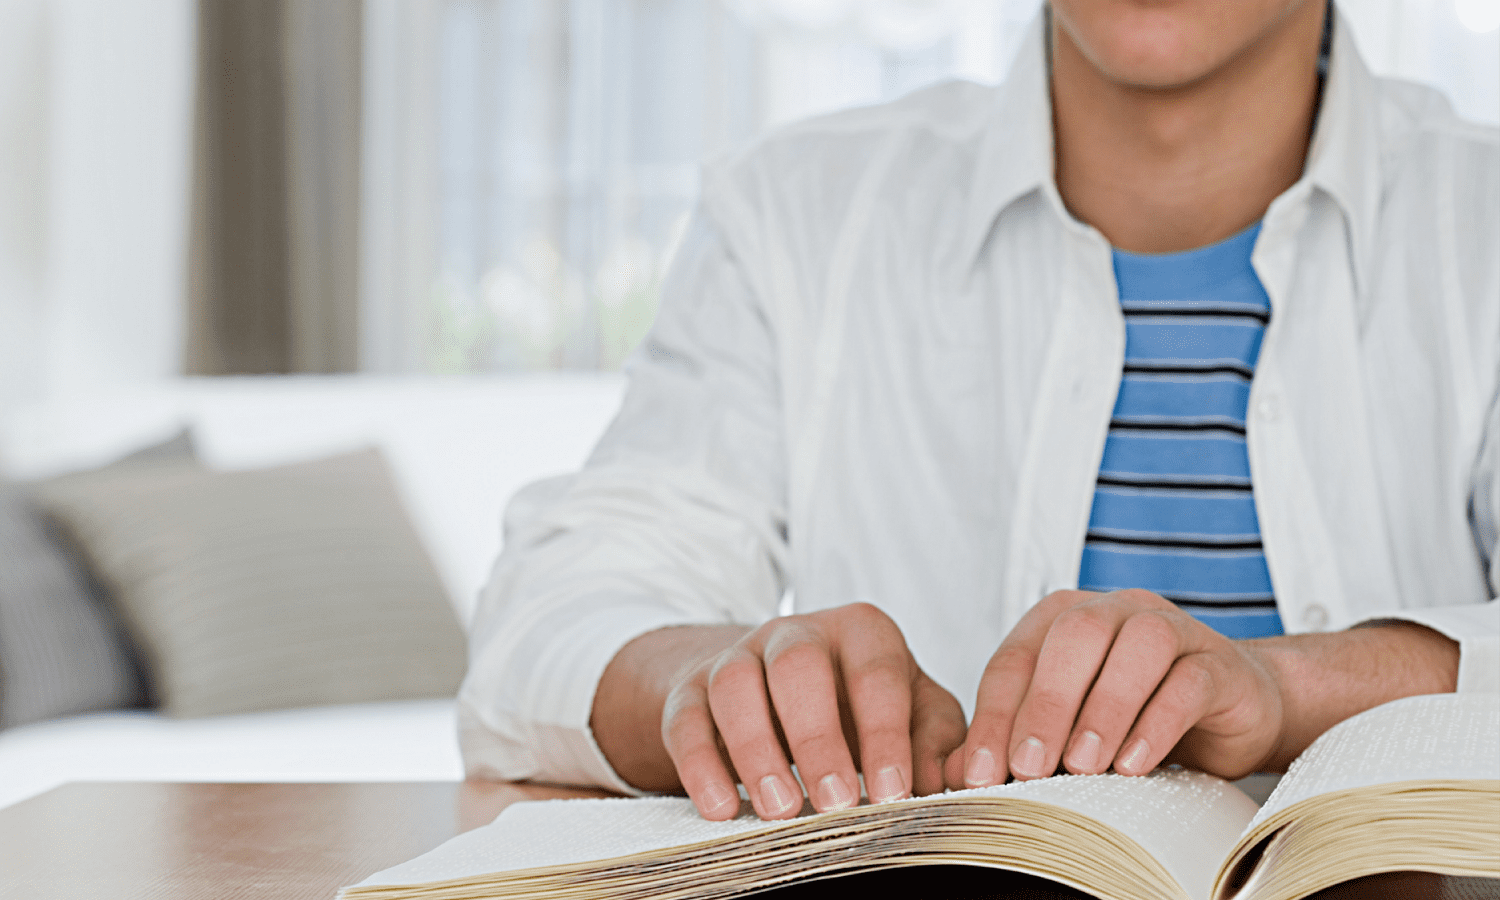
(530, 164)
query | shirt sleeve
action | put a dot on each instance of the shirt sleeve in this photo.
(1475, 626)
(678, 518)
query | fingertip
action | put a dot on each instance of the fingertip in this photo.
(1135, 759)
(777, 801)
(1029, 761)
(886, 785)
(834, 792)
(1084, 756)
(717, 801)
(980, 770)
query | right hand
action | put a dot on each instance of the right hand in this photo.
(826, 688)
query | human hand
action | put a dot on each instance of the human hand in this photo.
(822, 688)
(1124, 679)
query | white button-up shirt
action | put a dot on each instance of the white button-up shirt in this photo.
(884, 369)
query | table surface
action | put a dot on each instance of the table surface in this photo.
(154, 841)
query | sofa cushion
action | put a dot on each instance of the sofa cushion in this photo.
(62, 650)
(265, 589)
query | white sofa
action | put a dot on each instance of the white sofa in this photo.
(458, 447)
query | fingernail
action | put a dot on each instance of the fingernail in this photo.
(1134, 760)
(887, 785)
(1030, 757)
(834, 793)
(716, 796)
(981, 769)
(1085, 755)
(775, 799)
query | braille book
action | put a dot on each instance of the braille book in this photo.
(1411, 786)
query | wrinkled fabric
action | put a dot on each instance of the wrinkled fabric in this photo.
(884, 368)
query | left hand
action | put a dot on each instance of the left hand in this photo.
(1124, 680)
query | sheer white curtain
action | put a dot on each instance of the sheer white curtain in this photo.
(568, 140)
(529, 164)
(95, 138)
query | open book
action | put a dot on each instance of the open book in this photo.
(1413, 785)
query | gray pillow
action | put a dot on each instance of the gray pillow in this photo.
(294, 586)
(62, 650)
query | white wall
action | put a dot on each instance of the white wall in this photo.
(95, 138)
(23, 197)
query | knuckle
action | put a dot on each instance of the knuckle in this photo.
(1152, 629)
(869, 619)
(794, 660)
(865, 611)
(1011, 659)
(1090, 620)
(818, 742)
(1051, 707)
(1196, 676)
(1140, 597)
(680, 699)
(732, 670)
(779, 631)
(881, 677)
(1065, 598)
(680, 729)
(884, 735)
(1054, 707)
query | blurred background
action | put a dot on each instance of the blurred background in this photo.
(441, 186)
(361, 199)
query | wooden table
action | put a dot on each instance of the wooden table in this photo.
(152, 841)
(147, 841)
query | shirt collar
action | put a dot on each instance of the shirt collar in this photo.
(1015, 148)
(1016, 156)
(1344, 158)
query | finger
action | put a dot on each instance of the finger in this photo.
(937, 730)
(803, 685)
(693, 743)
(878, 674)
(983, 758)
(1184, 697)
(742, 714)
(1148, 644)
(1071, 656)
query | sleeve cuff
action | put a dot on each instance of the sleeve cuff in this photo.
(527, 717)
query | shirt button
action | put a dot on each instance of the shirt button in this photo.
(1315, 617)
(1268, 408)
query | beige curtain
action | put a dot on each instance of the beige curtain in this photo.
(275, 248)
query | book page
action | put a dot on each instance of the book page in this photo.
(1433, 736)
(1187, 820)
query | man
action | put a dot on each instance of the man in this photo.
(884, 376)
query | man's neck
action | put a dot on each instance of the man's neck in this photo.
(1161, 170)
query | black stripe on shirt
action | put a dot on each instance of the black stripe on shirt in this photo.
(1174, 543)
(1190, 603)
(1228, 427)
(1190, 368)
(1130, 481)
(1260, 315)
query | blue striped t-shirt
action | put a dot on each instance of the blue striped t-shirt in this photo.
(1173, 509)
